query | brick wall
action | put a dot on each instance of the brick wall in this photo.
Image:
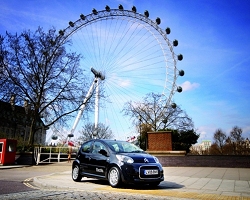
(159, 141)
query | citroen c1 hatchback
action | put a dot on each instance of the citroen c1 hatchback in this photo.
(116, 161)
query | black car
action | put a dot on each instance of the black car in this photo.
(116, 161)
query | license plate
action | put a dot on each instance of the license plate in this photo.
(151, 172)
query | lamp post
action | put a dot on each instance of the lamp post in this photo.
(140, 129)
(165, 122)
(12, 103)
(140, 120)
(27, 110)
(95, 133)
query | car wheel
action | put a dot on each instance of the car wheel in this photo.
(76, 176)
(114, 177)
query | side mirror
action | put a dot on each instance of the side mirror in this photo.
(103, 152)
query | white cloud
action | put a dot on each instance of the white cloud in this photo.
(246, 132)
(125, 83)
(189, 86)
(206, 132)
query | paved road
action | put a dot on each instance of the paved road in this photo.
(180, 183)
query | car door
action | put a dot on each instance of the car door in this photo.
(84, 156)
(98, 162)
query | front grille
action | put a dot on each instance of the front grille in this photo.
(149, 168)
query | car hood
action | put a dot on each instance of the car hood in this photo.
(140, 157)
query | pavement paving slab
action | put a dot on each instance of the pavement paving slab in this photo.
(180, 183)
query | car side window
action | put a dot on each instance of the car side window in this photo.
(97, 147)
(116, 147)
(86, 147)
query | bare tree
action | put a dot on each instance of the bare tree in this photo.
(37, 67)
(142, 139)
(6, 85)
(236, 140)
(234, 144)
(214, 149)
(88, 131)
(220, 139)
(236, 134)
(151, 112)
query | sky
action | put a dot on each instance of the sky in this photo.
(213, 39)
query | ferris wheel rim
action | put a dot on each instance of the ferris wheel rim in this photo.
(113, 13)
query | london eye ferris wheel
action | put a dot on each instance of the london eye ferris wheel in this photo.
(128, 55)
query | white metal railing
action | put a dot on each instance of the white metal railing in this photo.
(52, 154)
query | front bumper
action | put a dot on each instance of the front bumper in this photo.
(135, 173)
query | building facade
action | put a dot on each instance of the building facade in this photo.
(202, 147)
(15, 123)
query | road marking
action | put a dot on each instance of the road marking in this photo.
(174, 193)
(27, 183)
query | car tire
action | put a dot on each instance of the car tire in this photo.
(76, 176)
(114, 177)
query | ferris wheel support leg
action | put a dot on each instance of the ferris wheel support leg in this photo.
(91, 89)
(96, 108)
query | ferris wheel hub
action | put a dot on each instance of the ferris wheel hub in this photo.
(97, 74)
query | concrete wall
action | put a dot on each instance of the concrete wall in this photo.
(205, 161)
(177, 161)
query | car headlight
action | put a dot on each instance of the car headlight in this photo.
(125, 159)
(156, 160)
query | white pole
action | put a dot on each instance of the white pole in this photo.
(91, 89)
(96, 108)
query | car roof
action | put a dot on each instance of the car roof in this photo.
(107, 140)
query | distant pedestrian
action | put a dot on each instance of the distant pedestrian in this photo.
(69, 154)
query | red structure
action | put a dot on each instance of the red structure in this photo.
(160, 141)
(7, 151)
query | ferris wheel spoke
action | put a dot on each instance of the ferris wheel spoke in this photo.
(123, 43)
(113, 33)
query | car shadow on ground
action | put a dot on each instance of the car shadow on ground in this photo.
(163, 185)
(95, 181)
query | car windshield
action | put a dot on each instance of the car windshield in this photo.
(124, 147)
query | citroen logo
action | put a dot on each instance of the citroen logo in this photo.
(146, 160)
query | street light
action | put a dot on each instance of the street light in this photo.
(140, 120)
(95, 133)
(165, 120)
(27, 109)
